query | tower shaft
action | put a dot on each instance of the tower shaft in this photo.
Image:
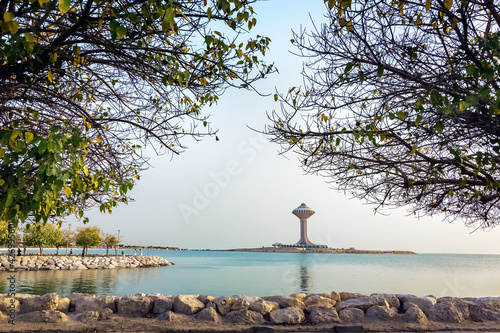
(303, 233)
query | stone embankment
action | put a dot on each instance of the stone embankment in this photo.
(401, 311)
(77, 262)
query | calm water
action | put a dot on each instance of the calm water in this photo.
(227, 273)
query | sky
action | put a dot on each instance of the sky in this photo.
(239, 192)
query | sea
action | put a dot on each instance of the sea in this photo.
(219, 273)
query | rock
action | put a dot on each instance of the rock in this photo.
(391, 299)
(319, 315)
(187, 304)
(287, 301)
(239, 304)
(63, 304)
(335, 296)
(249, 299)
(492, 303)
(223, 304)
(209, 314)
(44, 317)
(381, 312)
(479, 313)
(40, 303)
(8, 303)
(105, 314)
(314, 295)
(289, 315)
(89, 316)
(363, 303)
(351, 315)
(134, 305)
(414, 315)
(300, 296)
(244, 316)
(263, 306)
(449, 309)
(205, 299)
(318, 301)
(175, 317)
(84, 302)
(344, 296)
(3, 318)
(163, 304)
(424, 302)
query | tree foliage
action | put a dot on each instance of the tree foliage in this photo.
(88, 236)
(401, 105)
(39, 234)
(67, 238)
(86, 85)
(110, 241)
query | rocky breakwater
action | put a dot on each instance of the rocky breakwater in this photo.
(154, 310)
(76, 262)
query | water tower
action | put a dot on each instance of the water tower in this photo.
(303, 212)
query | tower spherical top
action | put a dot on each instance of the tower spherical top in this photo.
(303, 211)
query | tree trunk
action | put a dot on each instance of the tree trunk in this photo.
(66, 250)
(107, 251)
(57, 250)
(41, 249)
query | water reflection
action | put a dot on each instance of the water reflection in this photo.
(304, 280)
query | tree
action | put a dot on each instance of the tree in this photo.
(39, 234)
(88, 236)
(67, 238)
(110, 241)
(401, 105)
(85, 85)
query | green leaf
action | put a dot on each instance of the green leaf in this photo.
(275, 97)
(121, 32)
(380, 70)
(361, 76)
(7, 17)
(418, 120)
(439, 127)
(28, 136)
(348, 67)
(64, 5)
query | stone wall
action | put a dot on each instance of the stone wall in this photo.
(327, 308)
(78, 262)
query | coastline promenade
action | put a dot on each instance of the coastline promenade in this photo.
(316, 250)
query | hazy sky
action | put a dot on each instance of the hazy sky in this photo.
(239, 192)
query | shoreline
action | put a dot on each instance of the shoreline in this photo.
(316, 250)
(333, 312)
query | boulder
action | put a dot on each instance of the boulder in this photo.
(175, 317)
(381, 312)
(105, 314)
(414, 315)
(8, 303)
(492, 303)
(89, 316)
(391, 299)
(205, 299)
(40, 303)
(449, 309)
(479, 313)
(3, 318)
(163, 304)
(351, 315)
(289, 315)
(46, 316)
(364, 303)
(244, 316)
(335, 296)
(300, 296)
(319, 315)
(249, 299)
(187, 304)
(319, 294)
(424, 302)
(344, 296)
(134, 305)
(263, 307)
(63, 304)
(315, 301)
(85, 302)
(240, 303)
(223, 304)
(209, 314)
(293, 301)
